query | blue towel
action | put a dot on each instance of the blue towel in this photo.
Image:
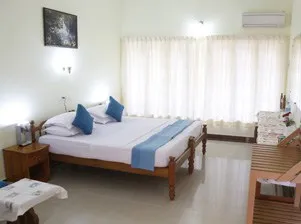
(143, 154)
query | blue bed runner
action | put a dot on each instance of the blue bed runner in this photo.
(143, 154)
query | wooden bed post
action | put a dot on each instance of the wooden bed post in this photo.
(191, 145)
(204, 141)
(172, 177)
(33, 131)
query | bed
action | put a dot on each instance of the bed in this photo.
(110, 146)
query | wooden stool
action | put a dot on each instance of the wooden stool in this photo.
(22, 196)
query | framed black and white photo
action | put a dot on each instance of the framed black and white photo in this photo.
(60, 29)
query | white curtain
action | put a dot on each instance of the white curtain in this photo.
(295, 72)
(222, 78)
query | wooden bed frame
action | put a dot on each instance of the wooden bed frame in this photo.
(168, 172)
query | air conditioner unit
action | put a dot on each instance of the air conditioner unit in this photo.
(251, 19)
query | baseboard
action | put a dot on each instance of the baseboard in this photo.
(229, 138)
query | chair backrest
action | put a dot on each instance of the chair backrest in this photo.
(293, 140)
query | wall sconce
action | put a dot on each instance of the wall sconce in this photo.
(67, 69)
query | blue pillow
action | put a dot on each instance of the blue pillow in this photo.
(115, 109)
(83, 120)
(2, 184)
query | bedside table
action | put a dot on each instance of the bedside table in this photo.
(31, 162)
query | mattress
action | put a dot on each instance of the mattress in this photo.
(114, 141)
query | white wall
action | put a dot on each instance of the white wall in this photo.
(31, 78)
(178, 17)
(296, 19)
(295, 31)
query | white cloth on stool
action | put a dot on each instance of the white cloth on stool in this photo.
(270, 181)
(18, 198)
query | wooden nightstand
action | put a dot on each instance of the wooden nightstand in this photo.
(31, 161)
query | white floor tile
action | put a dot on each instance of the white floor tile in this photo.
(215, 193)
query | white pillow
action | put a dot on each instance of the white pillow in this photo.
(60, 131)
(63, 120)
(99, 114)
(102, 120)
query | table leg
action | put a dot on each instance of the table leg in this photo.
(252, 195)
(30, 217)
(297, 196)
(258, 189)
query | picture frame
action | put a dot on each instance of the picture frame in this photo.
(60, 29)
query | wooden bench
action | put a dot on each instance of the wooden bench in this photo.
(280, 164)
(275, 213)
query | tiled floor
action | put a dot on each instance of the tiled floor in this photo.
(216, 193)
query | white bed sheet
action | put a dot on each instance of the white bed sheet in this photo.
(114, 141)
